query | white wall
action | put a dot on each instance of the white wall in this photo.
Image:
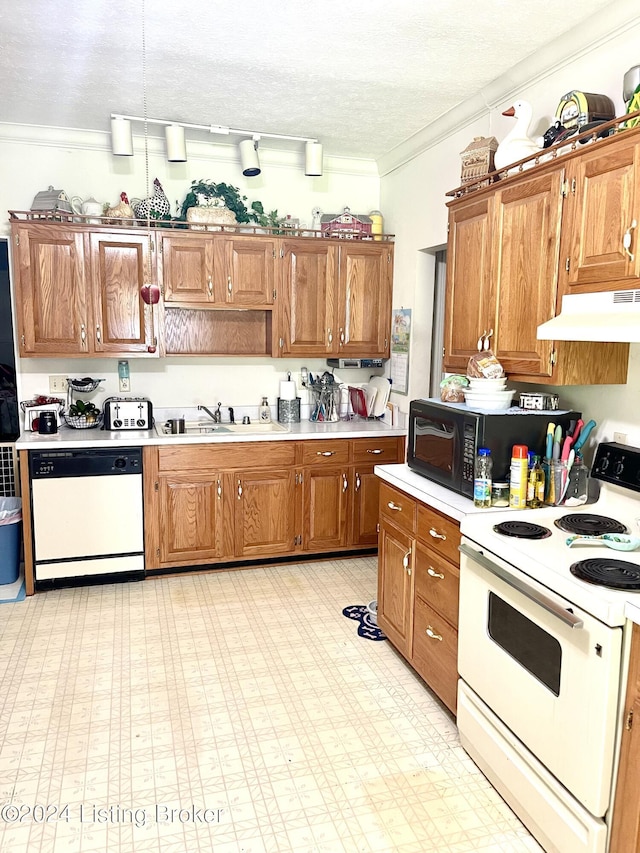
(81, 163)
(414, 204)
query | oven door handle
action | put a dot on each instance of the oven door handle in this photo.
(539, 598)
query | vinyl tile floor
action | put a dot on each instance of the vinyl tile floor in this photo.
(232, 712)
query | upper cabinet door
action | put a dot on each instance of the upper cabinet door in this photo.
(470, 299)
(50, 290)
(528, 216)
(249, 279)
(364, 302)
(307, 298)
(120, 265)
(602, 246)
(186, 268)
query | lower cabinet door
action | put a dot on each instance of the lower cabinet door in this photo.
(326, 500)
(190, 517)
(395, 587)
(264, 512)
(366, 491)
(435, 653)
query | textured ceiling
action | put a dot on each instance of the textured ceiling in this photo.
(360, 75)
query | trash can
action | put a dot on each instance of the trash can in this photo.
(10, 518)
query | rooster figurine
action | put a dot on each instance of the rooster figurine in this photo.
(516, 145)
(122, 210)
(156, 206)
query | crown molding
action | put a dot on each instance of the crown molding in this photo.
(610, 22)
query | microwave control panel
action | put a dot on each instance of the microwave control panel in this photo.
(468, 452)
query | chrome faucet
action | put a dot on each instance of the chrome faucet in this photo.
(216, 416)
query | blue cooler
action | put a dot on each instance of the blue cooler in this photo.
(10, 528)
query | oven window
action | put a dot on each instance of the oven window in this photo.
(434, 443)
(533, 648)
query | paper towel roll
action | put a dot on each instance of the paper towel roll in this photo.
(288, 390)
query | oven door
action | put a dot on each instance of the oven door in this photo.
(549, 671)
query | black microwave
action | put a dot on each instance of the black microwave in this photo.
(444, 439)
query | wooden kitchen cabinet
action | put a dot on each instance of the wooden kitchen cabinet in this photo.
(625, 824)
(217, 270)
(601, 248)
(335, 298)
(418, 588)
(219, 503)
(506, 273)
(78, 292)
(52, 305)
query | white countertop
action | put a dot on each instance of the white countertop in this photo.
(447, 502)
(66, 437)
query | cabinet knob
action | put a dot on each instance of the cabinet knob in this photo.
(431, 633)
(229, 284)
(357, 482)
(239, 489)
(219, 490)
(626, 240)
(341, 337)
(375, 452)
(210, 286)
(325, 452)
(329, 336)
(344, 483)
(432, 573)
(83, 333)
(433, 532)
(394, 507)
(98, 334)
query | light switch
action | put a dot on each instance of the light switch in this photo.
(124, 382)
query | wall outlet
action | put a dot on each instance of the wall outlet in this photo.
(58, 384)
(620, 437)
(124, 382)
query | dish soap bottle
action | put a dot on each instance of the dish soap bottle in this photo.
(535, 485)
(264, 413)
(482, 478)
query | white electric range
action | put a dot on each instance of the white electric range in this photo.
(541, 655)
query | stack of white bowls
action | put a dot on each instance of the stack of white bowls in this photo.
(488, 394)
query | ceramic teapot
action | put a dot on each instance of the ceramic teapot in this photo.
(90, 207)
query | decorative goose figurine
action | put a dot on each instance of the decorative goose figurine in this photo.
(516, 143)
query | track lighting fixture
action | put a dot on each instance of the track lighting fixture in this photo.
(249, 159)
(176, 146)
(122, 142)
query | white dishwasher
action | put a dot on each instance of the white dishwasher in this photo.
(87, 515)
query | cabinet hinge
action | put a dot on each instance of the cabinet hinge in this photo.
(629, 721)
(378, 528)
(448, 227)
(443, 352)
(275, 294)
(17, 239)
(388, 257)
(298, 479)
(273, 253)
(281, 252)
(553, 355)
(157, 552)
(567, 264)
(564, 189)
(573, 186)
(156, 487)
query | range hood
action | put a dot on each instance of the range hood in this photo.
(610, 316)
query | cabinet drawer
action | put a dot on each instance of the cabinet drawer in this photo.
(259, 454)
(435, 654)
(399, 508)
(437, 583)
(376, 450)
(325, 452)
(440, 533)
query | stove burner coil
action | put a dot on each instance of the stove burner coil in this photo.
(522, 530)
(616, 574)
(587, 524)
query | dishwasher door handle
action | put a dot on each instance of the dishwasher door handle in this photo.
(546, 601)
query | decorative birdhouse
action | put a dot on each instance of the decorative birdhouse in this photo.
(346, 225)
(477, 159)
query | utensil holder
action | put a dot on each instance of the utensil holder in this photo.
(565, 486)
(325, 400)
(289, 411)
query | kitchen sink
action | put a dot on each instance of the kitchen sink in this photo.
(211, 428)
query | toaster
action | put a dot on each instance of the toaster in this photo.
(128, 413)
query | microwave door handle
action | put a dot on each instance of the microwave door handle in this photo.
(539, 598)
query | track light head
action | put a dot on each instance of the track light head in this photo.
(249, 159)
(121, 137)
(176, 146)
(313, 159)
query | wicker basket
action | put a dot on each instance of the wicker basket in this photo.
(210, 218)
(81, 422)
